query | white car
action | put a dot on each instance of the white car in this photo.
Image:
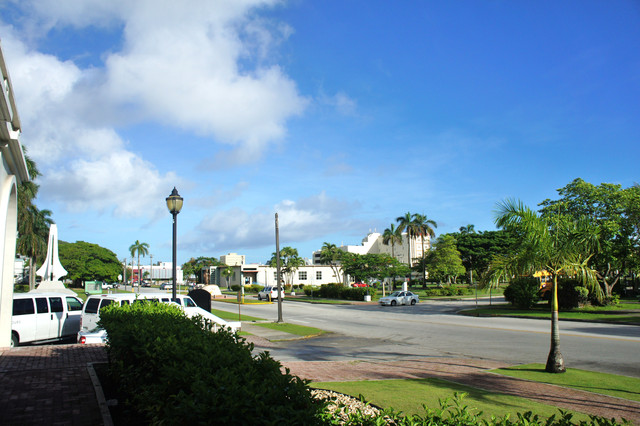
(94, 303)
(269, 293)
(399, 298)
(90, 337)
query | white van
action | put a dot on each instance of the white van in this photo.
(91, 309)
(44, 316)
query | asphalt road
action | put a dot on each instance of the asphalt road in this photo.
(433, 328)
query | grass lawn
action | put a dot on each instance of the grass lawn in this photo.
(298, 330)
(606, 384)
(409, 395)
(233, 316)
(625, 312)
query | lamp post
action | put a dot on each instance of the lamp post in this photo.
(174, 204)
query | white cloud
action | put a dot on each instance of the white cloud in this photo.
(299, 221)
(198, 65)
(120, 182)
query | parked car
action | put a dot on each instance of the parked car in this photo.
(400, 298)
(94, 303)
(359, 285)
(90, 337)
(269, 293)
(166, 286)
(44, 317)
(106, 286)
(146, 284)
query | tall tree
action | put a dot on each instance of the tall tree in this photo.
(226, 271)
(444, 260)
(87, 262)
(33, 224)
(393, 236)
(290, 261)
(406, 224)
(196, 266)
(331, 255)
(469, 229)
(558, 244)
(138, 249)
(612, 208)
(424, 227)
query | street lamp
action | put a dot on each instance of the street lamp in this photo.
(174, 204)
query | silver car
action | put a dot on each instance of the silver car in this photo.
(400, 298)
(270, 293)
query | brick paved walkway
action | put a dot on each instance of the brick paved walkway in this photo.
(50, 385)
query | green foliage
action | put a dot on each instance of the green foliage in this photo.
(477, 249)
(571, 294)
(522, 292)
(88, 262)
(362, 267)
(236, 287)
(290, 261)
(338, 291)
(444, 262)
(448, 290)
(311, 290)
(195, 266)
(173, 370)
(616, 212)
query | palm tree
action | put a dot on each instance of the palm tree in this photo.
(557, 244)
(33, 224)
(227, 272)
(469, 229)
(393, 236)
(405, 223)
(424, 226)
(330, 254)
(140, 249)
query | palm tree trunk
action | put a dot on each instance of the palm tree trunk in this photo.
(555, 363)
(32, 273)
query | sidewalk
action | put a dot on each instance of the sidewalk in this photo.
(50, 384)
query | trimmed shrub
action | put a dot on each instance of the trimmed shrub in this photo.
(253, 288)
(571, 294)
(173, 370)
(236, 287)
(522, 292)
(310, 290)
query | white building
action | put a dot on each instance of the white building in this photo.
(12, 173)
(254, 273)
(372, 244)
(159, 272)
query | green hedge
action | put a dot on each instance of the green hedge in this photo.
(174, 370)
(339, 291)
(523, 292)
(448, 290)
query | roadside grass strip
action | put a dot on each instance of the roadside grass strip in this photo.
(616, 315)
(298, 330)
(590, 381)
(409, 396)
(233, 316)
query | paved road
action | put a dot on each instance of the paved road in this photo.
(433, 328)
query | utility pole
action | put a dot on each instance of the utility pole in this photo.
(278, 271)
(151, 268)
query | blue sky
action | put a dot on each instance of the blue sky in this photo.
(338, 115)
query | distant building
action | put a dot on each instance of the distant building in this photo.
(254, 273)
(372, 244)
(158, 272)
